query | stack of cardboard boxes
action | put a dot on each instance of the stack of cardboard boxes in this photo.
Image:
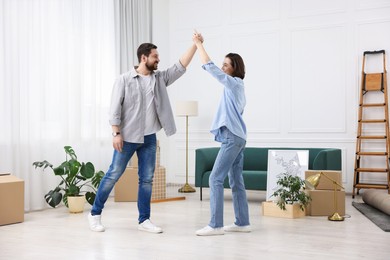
(126, 189)
(11, 199)
(159, 190)
(322, 198)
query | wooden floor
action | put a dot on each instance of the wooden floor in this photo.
(56, 234)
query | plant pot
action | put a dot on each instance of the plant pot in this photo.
(76, 204)
(292, 210)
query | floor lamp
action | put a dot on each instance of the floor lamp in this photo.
(312, 183)
(187, 108)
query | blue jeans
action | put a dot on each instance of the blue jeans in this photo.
(230, 161)
(146, 153)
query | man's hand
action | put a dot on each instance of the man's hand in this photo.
(117, 143)
(197, 37)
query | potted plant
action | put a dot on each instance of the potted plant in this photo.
(78, 179)
(290, 196)
(291, 190)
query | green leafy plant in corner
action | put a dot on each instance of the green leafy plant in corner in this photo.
(291, 190)
(77, 179)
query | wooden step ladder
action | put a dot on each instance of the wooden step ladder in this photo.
(372, 83)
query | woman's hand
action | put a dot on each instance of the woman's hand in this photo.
(197, 38)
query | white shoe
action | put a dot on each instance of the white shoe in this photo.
(148, 226)
(209, 231)
(95, 223)
(235, 228)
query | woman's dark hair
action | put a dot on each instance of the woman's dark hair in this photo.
(237, 64)
(145, 49)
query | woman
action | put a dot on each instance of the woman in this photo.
(229, 129)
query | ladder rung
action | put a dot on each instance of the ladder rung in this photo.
(373, 105)
(373, 121)
(372, 137)
(372, 153)
(371, 186)
(371, 170)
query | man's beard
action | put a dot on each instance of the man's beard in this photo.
(151, 67)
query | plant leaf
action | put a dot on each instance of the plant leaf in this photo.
(73, 190)
(69, 151)
(43, 164)
(97, 178)
(65, 200)
(62, 169)
(90, 197)
(87, 170)
(53, 197)
(74, 167)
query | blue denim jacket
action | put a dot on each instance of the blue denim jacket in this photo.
(232, 104)
(127, 103)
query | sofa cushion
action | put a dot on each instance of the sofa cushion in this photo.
(253, 180)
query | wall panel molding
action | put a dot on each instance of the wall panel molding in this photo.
(372, 4)
(242, 11)
(317, 94)
(304, 8)
(262, 80)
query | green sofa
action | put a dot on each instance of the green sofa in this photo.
(256, 163)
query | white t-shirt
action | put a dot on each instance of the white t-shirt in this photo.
(152, 125)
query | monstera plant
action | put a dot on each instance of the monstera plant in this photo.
(77, 179)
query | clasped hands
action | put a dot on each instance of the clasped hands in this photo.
(197, 37)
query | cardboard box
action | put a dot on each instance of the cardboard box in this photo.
(134, 158)
(159, 184)
(158, 155)
(323, 204)
(270, 208)
(134, 161)
(325, 183)
(11, 200)
(126, 189)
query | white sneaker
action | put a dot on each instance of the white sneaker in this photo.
(235, 228)
(95, 223)
(148, 226)
(209, 231)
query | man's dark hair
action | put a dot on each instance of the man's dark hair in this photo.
(238, 65)
(145, 49)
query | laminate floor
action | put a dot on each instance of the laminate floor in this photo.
(57, 234)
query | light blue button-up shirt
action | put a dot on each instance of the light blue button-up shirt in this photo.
(232, 104)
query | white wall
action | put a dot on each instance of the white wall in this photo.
(303, 60)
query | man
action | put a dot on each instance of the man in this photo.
(140, 107)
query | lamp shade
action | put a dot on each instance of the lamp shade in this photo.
(187, 108)
(313, 181)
